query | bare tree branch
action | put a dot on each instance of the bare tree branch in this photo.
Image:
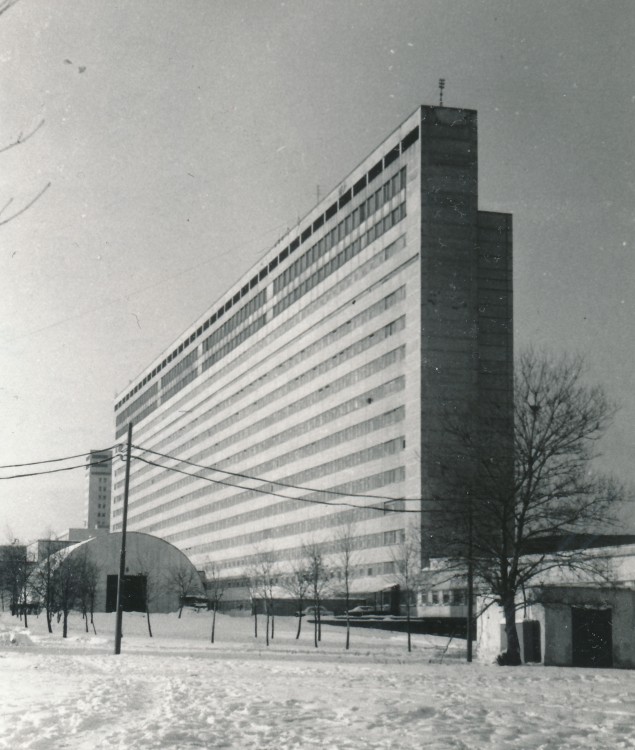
(24, 208)
(6, 4)
(21, 138)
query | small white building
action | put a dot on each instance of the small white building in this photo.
(571, 618)
(156, 572)
(567, 626)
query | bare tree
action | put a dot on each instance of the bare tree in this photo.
(320, 578)
(297, 583)
(263, 577)
(185, 580)
(87, 586)
(406, 555)
(67, 582)
(16, 571)
(253, 586)
(215, 587)
(344, 560)
(152, 585)
(42, 581)
(517, 503)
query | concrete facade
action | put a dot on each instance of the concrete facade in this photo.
(311, 397)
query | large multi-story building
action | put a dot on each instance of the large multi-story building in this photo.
(312, 396)
(98, 490)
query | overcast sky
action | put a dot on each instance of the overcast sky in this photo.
(182, 139)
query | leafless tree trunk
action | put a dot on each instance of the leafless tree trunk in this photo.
(15, 574)
(297, 584)
(406, 556)
(320, 578)
(263, 576)
(153, 585)
(67, 578)
(215, 587)
(185, 581)
(88, 577)
(344, 565)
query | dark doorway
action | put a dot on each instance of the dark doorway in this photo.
(133, 595)
(591, 637)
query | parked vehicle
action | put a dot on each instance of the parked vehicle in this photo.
(361, 610)
(311, 612)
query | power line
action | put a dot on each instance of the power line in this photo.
(334, 503)
(57, 460)
(56, 471)
(273, 481)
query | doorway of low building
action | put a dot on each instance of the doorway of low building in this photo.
(591, 637)
(133, 594)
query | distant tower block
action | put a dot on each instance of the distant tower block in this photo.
(98, 489)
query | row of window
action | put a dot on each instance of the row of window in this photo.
(377, 199)
(366, 484)
(329, 213)
(269, 511)
(302, 380)
(344, 256)
(187, 368)
(376, 365)
(179, 368)
(185, 380)
(334, 413)
(296, 431)
(151, 393)
(309, 525)
(321, 420)
(365, 455)
(329, 268)
(254, 304)
(331, 467)
(321, 302)
(449, 597)
(234, 342)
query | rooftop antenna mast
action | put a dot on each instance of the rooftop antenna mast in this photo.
(441, 87)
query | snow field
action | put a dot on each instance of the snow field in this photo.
(177, 690)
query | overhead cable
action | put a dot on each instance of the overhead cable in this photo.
(57, 460)
(273, 481)
(56, 471)
(382, 509)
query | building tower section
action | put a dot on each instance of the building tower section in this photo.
(98, 489)
(309, 398)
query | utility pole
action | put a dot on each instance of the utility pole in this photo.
(122, 558)
(470, 581)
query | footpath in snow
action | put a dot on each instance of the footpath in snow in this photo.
(177, 690)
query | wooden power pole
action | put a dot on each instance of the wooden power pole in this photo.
(122, 558)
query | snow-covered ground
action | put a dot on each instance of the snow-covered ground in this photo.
(177, 690)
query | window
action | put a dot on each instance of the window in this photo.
(391, 156)
(412, 137)
(390, 537)
(359, 185)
